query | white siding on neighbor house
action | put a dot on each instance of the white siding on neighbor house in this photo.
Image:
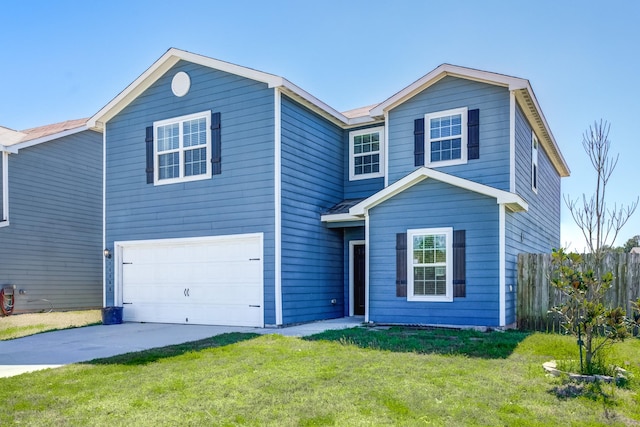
(52, 248)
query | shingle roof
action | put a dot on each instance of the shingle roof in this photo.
(42, 131)
(342, 207)
(358, 112)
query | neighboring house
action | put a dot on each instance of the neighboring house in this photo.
(235, 197)
(51, 216)
(635, 250)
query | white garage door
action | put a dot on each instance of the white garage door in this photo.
(207, 281)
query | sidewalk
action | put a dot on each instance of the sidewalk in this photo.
(58, 348)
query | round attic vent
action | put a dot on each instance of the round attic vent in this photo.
(180, 84)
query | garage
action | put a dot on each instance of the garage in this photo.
(208, 281)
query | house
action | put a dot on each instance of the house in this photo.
(635, 250)
(51, 216)
(235, 197)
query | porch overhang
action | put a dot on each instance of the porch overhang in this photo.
(511, 201)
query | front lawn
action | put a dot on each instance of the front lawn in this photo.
(242, 379)
(22, 325)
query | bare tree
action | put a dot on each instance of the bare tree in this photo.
(581, 279)
(599, 224)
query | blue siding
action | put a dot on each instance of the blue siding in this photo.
(53, 246)
(493, 101)
(426, 205)
(362, 187)
(240, 200)
(312, 254)
(538, 230)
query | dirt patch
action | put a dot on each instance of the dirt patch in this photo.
(19, 325)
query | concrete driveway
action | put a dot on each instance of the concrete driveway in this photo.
(58, 348)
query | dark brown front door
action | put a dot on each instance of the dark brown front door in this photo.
(358, 280)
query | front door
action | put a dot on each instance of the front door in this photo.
(358, 280)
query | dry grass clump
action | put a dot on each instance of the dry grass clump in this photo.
(20, 325)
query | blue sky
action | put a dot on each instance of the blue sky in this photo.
(67, 59)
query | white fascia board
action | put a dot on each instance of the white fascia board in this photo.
(342, 217)
(562, 167)
(439, 73)
(161, 66)
(4, 212)
(5, 149)
(515, 202)
(48, 138)
(315, 102)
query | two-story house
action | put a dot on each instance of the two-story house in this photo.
(234, 197)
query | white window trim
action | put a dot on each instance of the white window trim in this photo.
(181, 150)
(427, 137)
(381, 153)
(535, 169)
(4, 212)
(448, 232)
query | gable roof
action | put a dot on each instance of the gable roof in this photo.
(521, 87)
(512, 201)
(173, 56)
(12, 141)
(373, 113)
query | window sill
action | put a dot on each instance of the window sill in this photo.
(181, 180)
(4, 223)
(367, 176)
(443, 298)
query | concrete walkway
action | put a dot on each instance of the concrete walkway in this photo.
(58, 348)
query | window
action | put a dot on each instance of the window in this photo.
(366, 153)
(534, 162)
(430, 264)
(183, 148)
(446, 137)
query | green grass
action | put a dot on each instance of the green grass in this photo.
(327, 380)
(440, 341)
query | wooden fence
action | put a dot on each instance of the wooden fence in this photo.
(536, 295)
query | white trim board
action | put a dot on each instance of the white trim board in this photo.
(502, 245)
(515, 202)
(277, 194)
(4, 213)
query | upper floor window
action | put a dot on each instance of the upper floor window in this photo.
(446, 137)
(183, 148)
(430, 266)
(366, 153)
(534, 162)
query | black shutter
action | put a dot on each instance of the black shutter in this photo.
(401, 264)
(418, 142)
(149, 142)
(459, 264)
(473, 134)
(216, 145)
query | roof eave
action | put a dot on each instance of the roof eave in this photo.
(514, 202)
(342, 217)
(444, 70)
(47, 138)
(161, 66)
(529, 103)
